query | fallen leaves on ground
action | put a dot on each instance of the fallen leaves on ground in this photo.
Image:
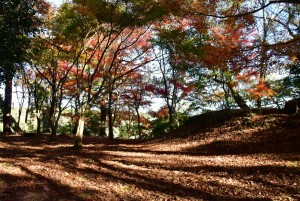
(228, 162)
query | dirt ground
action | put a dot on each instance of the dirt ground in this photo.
(253, 159)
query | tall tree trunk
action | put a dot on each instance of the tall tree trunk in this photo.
(263, 54)
(7, 106)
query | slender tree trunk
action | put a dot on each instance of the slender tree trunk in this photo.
(19, 116)
(38, 114)
(39, 123)
(103, 121)
(28, 106)
(52, 115)
(110, 116)
(139, 122)
(226, 92)
(7, 106)
(263, 54)
(110, 124)
(45, 120)
(258, 102)
(171, 123)
(75, 120)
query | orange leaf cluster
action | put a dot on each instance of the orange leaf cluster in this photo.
(245, 77)
(262, 90)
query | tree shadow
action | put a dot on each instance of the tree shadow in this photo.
(156, 185)
(96, 155)
(20, 187)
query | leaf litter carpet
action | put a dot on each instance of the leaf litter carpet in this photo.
(228, 162)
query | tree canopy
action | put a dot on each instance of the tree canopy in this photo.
(109, 61)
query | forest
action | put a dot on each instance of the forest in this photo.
(94, 90)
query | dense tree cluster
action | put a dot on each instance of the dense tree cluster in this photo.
(96, 67)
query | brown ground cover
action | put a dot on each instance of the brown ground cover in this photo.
(257, 158)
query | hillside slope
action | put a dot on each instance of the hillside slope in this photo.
(224, 132)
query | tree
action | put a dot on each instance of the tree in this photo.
(115, 50)
(56, 52)
(37, 91)
(18, 20)
(134, 97)
(172, 86)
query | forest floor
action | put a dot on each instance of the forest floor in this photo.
(253, 158)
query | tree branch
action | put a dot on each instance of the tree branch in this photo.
(246, 13)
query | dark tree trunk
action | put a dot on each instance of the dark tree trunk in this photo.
(45, 120)
(12, 119)
(38, 129)
(103, 121)
(258, 104)
(139, 122)
(110, 117)
(171, 123)
(110, 124)
(7, 106)
(19, 116)
(28, 106)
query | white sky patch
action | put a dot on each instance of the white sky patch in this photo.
(56, 3)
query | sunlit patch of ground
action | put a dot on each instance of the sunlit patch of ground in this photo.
(224, 163)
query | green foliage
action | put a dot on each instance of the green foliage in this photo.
(93, 123)
(181, 44)
(65, 128)
(160, 127)
(71, 24)
(128, 131)
(295, 79)
(291, 83)
(18, 22)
